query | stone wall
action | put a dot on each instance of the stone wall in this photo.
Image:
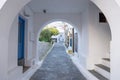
(43, 48)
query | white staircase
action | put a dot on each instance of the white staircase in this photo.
(102, 71)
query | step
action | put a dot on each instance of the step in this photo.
(106, 62)
(103, 70)
(97, 75)
(107, 59)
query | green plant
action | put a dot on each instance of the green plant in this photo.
(47, 33)
(53, 31)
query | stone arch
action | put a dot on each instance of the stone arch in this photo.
(12, 7)
(50, 21)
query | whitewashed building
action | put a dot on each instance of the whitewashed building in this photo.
(21, 22)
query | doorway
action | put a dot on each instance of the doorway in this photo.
(21, 35)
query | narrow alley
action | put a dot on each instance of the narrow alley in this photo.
(57, 66)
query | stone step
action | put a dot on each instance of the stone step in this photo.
(97, 75)
(106, 62)
(107, 59)
(103, 70)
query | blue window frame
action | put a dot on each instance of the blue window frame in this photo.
(21, 35)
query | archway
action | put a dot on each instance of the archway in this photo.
(63, 24)
(99, 39)
(111, 15)
(113, 22)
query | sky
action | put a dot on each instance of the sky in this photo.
(59, 25)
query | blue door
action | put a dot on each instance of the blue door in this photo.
(21, 32)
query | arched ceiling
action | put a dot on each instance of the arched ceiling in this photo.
(58, 6)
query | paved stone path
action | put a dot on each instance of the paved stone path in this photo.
(57, 66)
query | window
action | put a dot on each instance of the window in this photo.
(102, 18)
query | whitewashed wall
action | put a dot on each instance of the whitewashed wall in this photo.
(111, 10)
(83, 45)
(95, 38)
(12, 7)
(41, 20)
(13, 68)
(99, 38)
(13, 41)
(29, 36)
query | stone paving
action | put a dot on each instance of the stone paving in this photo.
(57, 66)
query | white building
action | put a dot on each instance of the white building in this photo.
(61, 37)
(96, 40)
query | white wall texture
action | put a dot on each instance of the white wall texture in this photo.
(89, 39)
(29, 40)
(13, 48)
(2, 3)
(109, 7)
(13, 68)
(99, 38)
(111, 10)
(29, 35)
(83, 46)
(95, 38)
(8, 12)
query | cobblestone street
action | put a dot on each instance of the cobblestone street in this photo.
(57, 66)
